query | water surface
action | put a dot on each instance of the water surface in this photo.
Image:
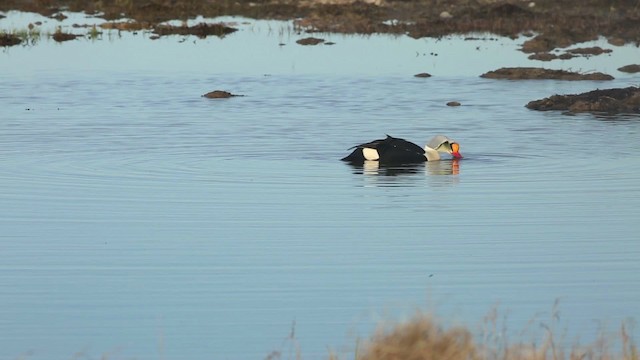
(140, 220)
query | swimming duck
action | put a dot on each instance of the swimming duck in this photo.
(396, 151)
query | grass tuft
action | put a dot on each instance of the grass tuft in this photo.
(423, 337)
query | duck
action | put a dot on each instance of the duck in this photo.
(396, 151)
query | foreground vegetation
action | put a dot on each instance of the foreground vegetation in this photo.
(424, 337)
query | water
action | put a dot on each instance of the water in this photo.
(139, 220)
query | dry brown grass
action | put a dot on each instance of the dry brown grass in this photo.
(425, 338)
(422, 338)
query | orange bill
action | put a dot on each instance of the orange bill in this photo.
(455, 150)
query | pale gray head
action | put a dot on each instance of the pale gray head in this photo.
(441, 143)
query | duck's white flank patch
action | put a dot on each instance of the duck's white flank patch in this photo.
(370, 154)
(431, 154)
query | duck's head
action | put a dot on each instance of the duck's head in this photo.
(443, 144)
(452, 148)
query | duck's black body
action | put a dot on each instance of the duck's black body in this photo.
(389, 151)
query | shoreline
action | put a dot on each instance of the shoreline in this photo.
(556, 25)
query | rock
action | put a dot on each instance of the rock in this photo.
(616, 41)
(533, 73)
(611, 101)
(422, 75)
(453, 103)
(310, 41)
(634, 68)
(219, 94)
(445, 15)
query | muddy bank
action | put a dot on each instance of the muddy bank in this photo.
(610, 101)
(534, 73)
(558, 23)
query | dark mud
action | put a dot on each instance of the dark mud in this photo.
(609, 101)
(558, 23)
(534, 73)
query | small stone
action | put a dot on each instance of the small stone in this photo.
(422, 75)
(616, 41)
(453, 103)
(445, 15)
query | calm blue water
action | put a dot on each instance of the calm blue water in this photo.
(139, 220)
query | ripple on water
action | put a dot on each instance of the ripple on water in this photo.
(128, 191)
